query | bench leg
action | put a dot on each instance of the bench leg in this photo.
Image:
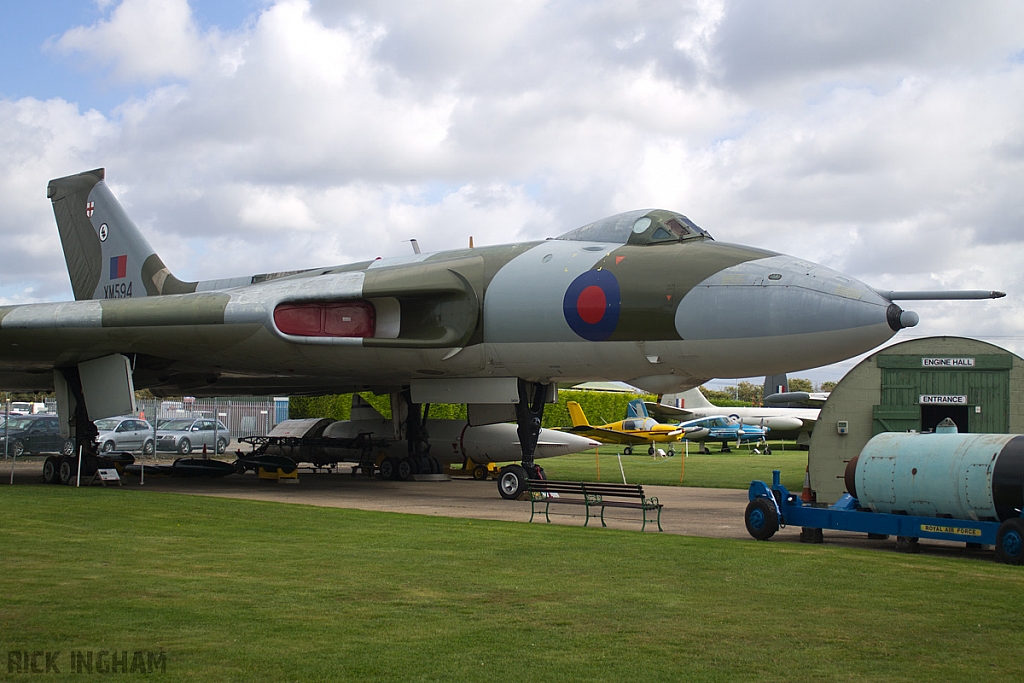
(602, 518)
(547, 507)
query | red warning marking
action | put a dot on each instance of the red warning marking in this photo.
(591, 304)
(618, 259)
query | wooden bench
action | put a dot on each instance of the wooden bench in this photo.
(591, 495)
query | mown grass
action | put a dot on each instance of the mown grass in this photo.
(719, 470)
(237, 590)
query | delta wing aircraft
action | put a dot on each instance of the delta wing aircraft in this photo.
(645, 296)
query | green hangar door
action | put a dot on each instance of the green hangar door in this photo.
(919, 391)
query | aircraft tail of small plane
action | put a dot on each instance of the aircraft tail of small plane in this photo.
(579, 419)
(106, 254)
(637, 409)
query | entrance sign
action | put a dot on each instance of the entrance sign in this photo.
(927, 399)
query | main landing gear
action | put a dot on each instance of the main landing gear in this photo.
(419, 460)
(529, 413)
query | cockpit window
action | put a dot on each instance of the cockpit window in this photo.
(645, 226)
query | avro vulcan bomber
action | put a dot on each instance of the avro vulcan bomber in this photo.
(646, 297)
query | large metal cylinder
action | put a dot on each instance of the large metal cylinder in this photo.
(963, 476)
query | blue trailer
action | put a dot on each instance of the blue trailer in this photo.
(772, 507)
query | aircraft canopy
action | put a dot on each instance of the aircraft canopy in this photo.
(645, 226)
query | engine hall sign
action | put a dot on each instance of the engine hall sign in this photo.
(947, 362)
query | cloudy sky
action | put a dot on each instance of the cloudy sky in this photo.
(883, 139)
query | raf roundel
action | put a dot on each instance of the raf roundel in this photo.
(591, 305)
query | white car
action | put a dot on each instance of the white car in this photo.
(125, 434)
(185, 435)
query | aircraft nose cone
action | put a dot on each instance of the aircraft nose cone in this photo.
(815, 314)
(778, 296)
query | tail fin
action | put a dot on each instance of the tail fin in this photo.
(636, 408)
(576, 415)
(693, 398)
(106, 254)
(363, 410)
(775, 384)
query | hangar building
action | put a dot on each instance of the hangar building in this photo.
(913, 386)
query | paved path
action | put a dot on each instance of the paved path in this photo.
(712, 513)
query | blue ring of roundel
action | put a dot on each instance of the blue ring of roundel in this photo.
(603, 328)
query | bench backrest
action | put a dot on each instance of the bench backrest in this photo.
(586, 487)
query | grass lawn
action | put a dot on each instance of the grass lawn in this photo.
(719, 470)
(234, 590)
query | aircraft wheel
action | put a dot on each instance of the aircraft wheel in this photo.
(148, 448)
(222, 445)
(671, 452)
(388, 467)
(50, 473)
(650, 450)
(66, 471)
(404, 469)
(705, 451)
(184, 446)
(725, 449)
(512, 481)
(17, 449)
(108, 447)
(68, 447)
(761, 519)
(628, 450)
(767, 451)
(479, 472)
(1010, 541)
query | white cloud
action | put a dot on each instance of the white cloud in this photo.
(143, 40)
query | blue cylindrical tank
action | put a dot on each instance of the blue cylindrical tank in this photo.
(963, 476)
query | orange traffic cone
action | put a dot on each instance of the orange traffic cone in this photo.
(807, 495)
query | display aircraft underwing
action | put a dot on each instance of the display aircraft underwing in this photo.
(646, 296)
(366, 439)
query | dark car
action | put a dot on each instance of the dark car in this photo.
(28, 434)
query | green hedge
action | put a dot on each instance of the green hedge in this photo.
(599, 406)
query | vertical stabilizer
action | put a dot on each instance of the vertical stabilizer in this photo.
(692, 399)
(637, 409)
(775, 384)
(576, 415)
(363, 411)
(106, 254)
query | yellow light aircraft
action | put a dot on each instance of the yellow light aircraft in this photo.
(640, 430)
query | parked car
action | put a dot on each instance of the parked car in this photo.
(125, 434)
(27, 434)
(187, 434)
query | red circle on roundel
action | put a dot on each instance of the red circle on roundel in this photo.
(591, 304)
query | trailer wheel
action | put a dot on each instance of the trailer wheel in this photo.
(389, 468)
(405, 469)
(50, 474)
(1010, 541)
(761, 519)
(479, 472)
(66, 471)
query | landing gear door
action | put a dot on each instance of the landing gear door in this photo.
(108, 387)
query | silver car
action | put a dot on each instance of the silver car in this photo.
(125, 434)
(185, 435)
